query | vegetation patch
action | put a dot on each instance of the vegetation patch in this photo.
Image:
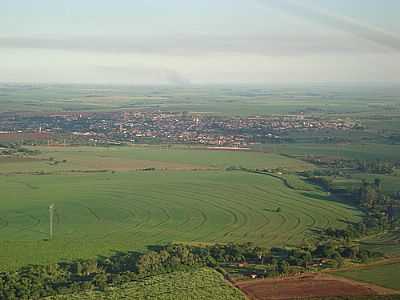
(99, 212)
(310, 286)
(386, 275)
(200, 284)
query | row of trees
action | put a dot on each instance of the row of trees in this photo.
(12, 149)
(381, 208)
(339, 166)
(33, 282)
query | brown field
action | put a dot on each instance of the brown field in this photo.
(308, 286)
(16, 137)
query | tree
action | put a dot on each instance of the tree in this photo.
(283, 267)
(100, 280)
(261, 254)
(307, 258)
(377, 183)
(368, 195)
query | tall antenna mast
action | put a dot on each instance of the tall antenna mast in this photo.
(51, 214)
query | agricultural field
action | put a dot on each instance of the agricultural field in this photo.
(386, 275)
(387, 243)
(362, 102)
(108, 207)
(131, 197)
(139, 157)
(389, 183)
(311, 286)
(204, 284)
(364, 151)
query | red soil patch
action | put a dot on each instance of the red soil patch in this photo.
(12, 137)
(308, 286)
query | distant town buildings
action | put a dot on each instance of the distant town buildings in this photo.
(168, 127)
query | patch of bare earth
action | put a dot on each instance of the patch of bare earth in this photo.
(308, 286)
(17, 137)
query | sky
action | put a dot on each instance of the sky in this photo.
(181, 42)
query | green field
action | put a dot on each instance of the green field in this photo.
(361, 101)
(138, 157)
(204, 284)
(100, 212)
(389, 183)
(387, 243)
(367, 151)
(385, 275)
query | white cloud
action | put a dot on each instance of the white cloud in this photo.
(37, 65)
(267, 44)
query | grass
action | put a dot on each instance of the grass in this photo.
(234, 100)
(197, 285)
(367, 151)
(389, 183)
(298, 183)
(138, 157)
(387, 243)
(384, 275)
(101, 212)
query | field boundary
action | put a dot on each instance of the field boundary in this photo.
(315, 284)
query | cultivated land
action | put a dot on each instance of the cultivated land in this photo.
(364, 151)
(386, 275)
(311, 286)
(128, 198)
(103, 211)
(197, 285)
(139, 157)
(387, 243)
(318, 99)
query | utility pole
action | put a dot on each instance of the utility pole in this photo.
(51, 214)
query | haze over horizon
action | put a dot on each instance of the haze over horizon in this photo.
(200, 42)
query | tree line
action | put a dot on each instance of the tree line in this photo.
(338, 166)
(36, 281)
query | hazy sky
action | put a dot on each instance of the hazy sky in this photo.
(199, 41)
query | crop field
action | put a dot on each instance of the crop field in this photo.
(387, 243)
(101, 212)
(138, 157)
(347, 151)
(197, 285)
(389, 183)
(216, 99)
(386, 275)
(310, 286)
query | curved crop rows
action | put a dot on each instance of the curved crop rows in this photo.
(133, 210)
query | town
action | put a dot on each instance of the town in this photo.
(163, 127)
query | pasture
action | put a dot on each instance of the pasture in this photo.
(386, 275)
(203, 284)
(97, 213)
(362, 101)
(387, 243)
(364, 151)
(389, 183)
(139, 157)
